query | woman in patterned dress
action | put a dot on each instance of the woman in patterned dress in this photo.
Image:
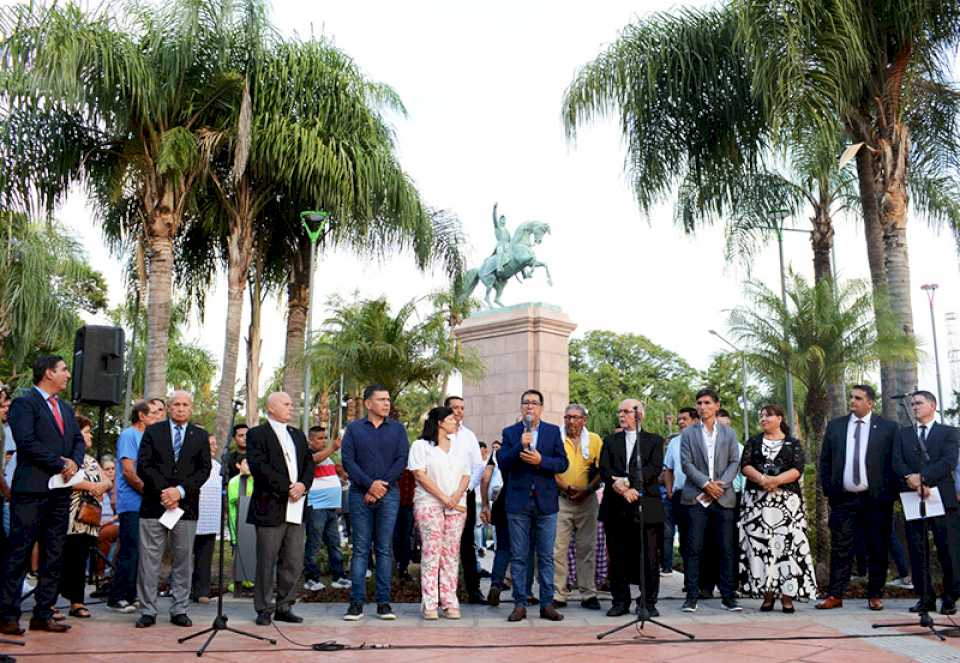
(776, 555)
(81, 536)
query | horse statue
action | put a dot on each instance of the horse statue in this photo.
(513, 257)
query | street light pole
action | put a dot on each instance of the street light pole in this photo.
(931, 290)
(743, 380)
(313, 223)
(783, 299)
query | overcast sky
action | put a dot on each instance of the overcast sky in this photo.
(483, 85)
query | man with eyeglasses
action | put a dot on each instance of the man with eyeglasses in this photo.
(532, 455)
(577, 517)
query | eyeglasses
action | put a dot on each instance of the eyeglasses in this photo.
(624, 411)
(537, 403)
(573, 416)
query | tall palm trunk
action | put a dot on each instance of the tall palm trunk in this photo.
(298, 305)
(161, 229)
(254, 345)
(816, 412)
(239, 253)
(821, 239)
(894, 149)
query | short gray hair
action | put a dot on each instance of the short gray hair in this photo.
(576, 406)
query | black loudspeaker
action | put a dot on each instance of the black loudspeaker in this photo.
(98, 365)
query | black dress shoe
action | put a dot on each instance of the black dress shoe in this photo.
(11, 627)
(559, 604)
(550, 613)
(476, 598)
(287, 616)
(181, 620)
(948, 607)
(263, 618)
(591, 603)
(146, 621)
(618, 610)
(49, 625)
(651, 611)
(919, 607)
(519, 614)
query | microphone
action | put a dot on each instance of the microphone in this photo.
(898, 397)
(527, 423)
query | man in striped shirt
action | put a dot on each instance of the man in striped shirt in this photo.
(323, 502)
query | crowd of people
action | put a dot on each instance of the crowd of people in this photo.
(562, 502)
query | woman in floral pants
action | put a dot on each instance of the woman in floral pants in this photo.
(439, 510)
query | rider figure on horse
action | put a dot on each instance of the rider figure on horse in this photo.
(502, 251)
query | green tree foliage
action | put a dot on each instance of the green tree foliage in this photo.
(606, 367)
(725, 374)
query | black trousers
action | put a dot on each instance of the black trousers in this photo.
(623, 546)
(73, 575)
(203, 545)
(946, 535)
(34, 517)
(468, 549)
(849, 512)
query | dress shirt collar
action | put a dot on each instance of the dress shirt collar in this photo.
(864, 419)
(183, 428)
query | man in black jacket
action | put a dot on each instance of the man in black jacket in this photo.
(173, 462)
(282, 468)
(928, 451)
(630, 465)
(48, 444)
(856, 472)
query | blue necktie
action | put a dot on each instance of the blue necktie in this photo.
(177, 442)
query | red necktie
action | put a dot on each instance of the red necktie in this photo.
(56, 413)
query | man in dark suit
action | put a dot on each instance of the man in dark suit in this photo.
(173, 462)
(48, 444)
(630, 465)
(282, 468)
(856, 472)
(532, 455)
(928, 451)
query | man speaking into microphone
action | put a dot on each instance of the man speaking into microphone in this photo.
(532, 455)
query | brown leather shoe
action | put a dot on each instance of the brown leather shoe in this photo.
(518, 615)
(11, 628)
(829, 603)
(551, 613)
(48, 625)
(875, 604)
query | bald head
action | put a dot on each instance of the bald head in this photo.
(180, 407)
(625, 413)
(280, 407)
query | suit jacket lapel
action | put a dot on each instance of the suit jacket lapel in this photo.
(46, 408)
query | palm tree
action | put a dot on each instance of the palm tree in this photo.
(881, 69)
(45, 283)
(130, 95)
(827, 336)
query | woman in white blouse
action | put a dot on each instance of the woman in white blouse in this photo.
(440, 511)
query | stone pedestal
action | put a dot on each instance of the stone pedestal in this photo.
(522, 347)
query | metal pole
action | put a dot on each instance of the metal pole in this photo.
(340, 408)
(931, 289)
(128, 398)
(306, 369)
(783, 298)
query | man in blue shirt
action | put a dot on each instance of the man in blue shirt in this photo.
(673, 480)
(374, 454)
(123, 590)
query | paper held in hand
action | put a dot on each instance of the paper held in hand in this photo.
(911, 504)
(56, 481)
(171, 517)
(704, 500)
(295, 511)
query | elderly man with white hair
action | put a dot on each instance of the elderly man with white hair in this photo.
(630, 465)
(173, 462)
(282, 468)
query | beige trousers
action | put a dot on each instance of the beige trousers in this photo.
(579, 519)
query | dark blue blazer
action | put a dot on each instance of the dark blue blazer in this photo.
(943, 446)
(39, 442)
(520, 477)
(880, 476)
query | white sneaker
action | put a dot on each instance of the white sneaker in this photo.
(341, 583)
(313, 585)
(902, 583)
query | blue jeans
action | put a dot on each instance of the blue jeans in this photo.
(532, 531)
(124, 586)
(372, 526)
(898, 555)
(322, 526)
(716, 525)
(666, 560)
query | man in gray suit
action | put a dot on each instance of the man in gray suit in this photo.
(710, 458)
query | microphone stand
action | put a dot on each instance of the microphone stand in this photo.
(643, 614)
(220, 620)
(926, 621)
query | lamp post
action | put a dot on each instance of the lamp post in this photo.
(743, 379)
(931, 290)
(313, 223)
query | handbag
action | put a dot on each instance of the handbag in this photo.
(90, 511)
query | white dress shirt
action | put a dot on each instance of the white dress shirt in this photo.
(289, 449)
(631, 437)
(849, 460)
(208, 520)
(465, 443)
(710, 440)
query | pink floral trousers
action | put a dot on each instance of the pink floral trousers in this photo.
(440, 555)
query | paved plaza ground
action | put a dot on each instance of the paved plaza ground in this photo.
(484, 635)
